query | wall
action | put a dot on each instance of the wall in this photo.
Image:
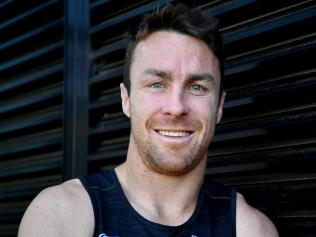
(264, 146)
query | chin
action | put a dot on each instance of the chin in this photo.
(174, 168)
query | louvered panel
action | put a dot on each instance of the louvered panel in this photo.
(31, 164)
(265, 144)
(31, 111)
(14, 198)
(10, 209)
(13, 188)
(45, 119)
(30, 143)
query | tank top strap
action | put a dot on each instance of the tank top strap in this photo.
(222, 204)
(97, 186)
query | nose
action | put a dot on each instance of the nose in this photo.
(176, 104)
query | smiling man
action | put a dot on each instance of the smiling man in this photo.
(172, 94)
(173, 103)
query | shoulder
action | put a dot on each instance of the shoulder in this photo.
(251, 222)
(59, 211)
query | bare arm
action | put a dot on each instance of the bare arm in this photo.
(251, 222)
(63, 210)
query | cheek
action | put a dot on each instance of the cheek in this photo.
(150, 101)
(144, 105)
(204, 107)
(205, 111)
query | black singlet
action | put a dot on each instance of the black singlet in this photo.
(215, 213)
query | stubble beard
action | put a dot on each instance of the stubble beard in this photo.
(163, 162)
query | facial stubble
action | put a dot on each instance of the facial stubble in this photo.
(166, 162)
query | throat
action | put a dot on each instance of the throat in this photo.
(164, 207)
(161, 199)
(165, 214)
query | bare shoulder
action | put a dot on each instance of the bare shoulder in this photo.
(62, 210)
(251, 222)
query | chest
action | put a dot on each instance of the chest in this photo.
(118, 219)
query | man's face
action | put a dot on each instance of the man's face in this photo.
(173, 103)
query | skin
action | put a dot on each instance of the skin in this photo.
(174, 91)
(171, 93)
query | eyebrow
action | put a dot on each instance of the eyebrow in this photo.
(168, 75)
(201, 77)
(158, 73)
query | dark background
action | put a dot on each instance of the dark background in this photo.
(60, 112)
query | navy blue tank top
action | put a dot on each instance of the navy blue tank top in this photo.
(215, 213)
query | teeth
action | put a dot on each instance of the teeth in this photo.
(173, 134)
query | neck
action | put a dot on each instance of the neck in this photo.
(169, 200)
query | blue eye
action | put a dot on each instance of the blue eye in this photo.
(157, 85)
(197, 89)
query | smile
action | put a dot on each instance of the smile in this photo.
(173, 133)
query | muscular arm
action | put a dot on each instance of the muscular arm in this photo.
(251, 222)
(62, 210)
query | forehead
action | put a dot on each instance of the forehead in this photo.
(175, 52)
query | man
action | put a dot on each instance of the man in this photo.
(173, 97)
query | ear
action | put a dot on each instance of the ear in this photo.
(125, 100)
(220, 107)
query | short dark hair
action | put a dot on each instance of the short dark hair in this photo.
(179, 18)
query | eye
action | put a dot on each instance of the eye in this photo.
(157, 85)
(197, 89)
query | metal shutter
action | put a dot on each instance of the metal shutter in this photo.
(264, 146)
(31, 54)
